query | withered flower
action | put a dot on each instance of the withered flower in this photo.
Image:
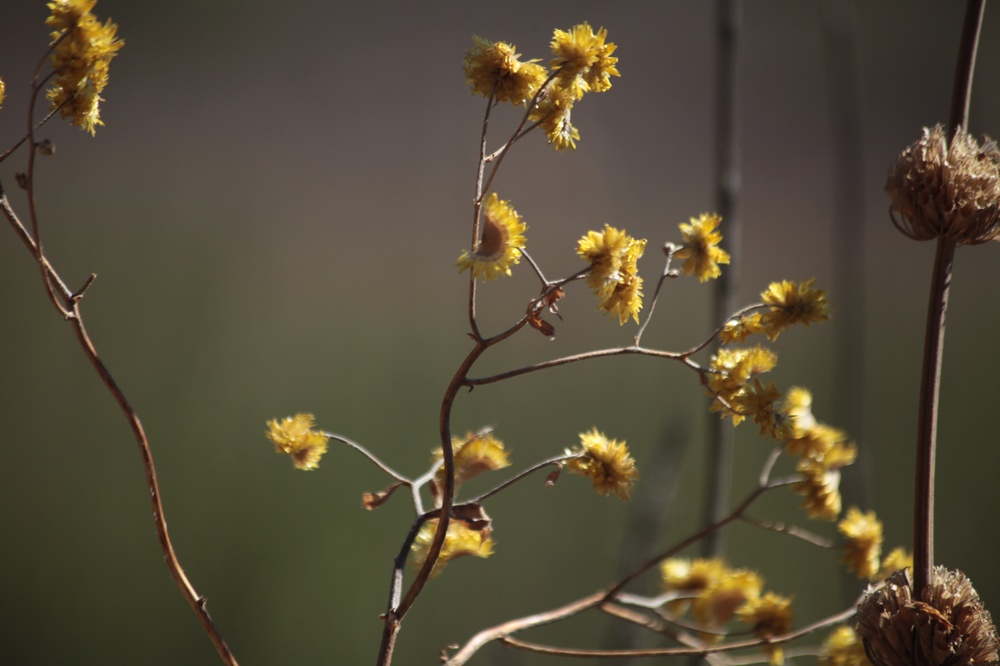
(947, 188)
(948, 627)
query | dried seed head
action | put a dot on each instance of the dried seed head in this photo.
(948, 627)
(946, 189)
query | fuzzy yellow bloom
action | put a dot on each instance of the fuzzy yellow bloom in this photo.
(82, 51)
(474, 454)
(295, 436)
(792, 303)
(797, 410)
(501, 244)
(460, 541)
(897, 560)
(583, 59)
(494, 68)
(770, 615)
(761, 403)
(814, 441)
(738, 330)
(606, 462)
(690, 577)
(701, 252)
(717, 604)
(843, 647)
(3, 92)
(613, 276)
(863, 532)
(730, 371)
(554, 113)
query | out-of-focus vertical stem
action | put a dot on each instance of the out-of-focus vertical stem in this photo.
(930, 376)
(843, 73)
(728, 187)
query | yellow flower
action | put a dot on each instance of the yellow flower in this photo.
(82, 53)
(815, 441)
(474, 454)
(584, 61)
(897, 560)
(501, 244)
(770, 615)
(554, 113)
(460, 541)
(294, 435)
(843, 648)
(793, 304)
(730, 371)
(701, 250)
(613, 275)
(864, 541)
(607, 462)
(691, 577)
(717, 604)
(821, 483)
(3, 92)
(761, 403)
(738, 330)
(493, 67)
(797, 410)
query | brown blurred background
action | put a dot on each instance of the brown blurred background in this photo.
(274, 210)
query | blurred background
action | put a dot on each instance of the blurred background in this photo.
(274, 209)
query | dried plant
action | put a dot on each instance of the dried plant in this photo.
(944, 187)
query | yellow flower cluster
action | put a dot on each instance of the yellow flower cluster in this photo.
(716, 594)
(583, 63)
(700, 251)
(3, 92)
(474, 454)
(733, 381)
(843, 647)
(863, 532)
(822, 451)
(501, 243)
(606, 462)
(460, 541)
(614, 273)
(788, 303)
(83, 49)
(295, 436)
(493, 68)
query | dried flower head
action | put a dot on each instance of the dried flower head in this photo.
(554, 112)
(606, 462)
(501, 244)
(295, 436)
(738, 330)
(863, 532)
(792, 303)
(700, 251)
(474, 454)
(717, 604)
(947, 626)
(494, 68)
(83, 49)
(731, 372)
(614, 272)
(950, 189)
(843, 647)
(460, 541)
(583, 59)
(820, 486)
(770, 615)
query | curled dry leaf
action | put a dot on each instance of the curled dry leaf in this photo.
(374, 500)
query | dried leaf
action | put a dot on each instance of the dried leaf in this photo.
(375, 500)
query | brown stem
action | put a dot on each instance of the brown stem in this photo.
(930, 376)
(71, 305)
(927, 415)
